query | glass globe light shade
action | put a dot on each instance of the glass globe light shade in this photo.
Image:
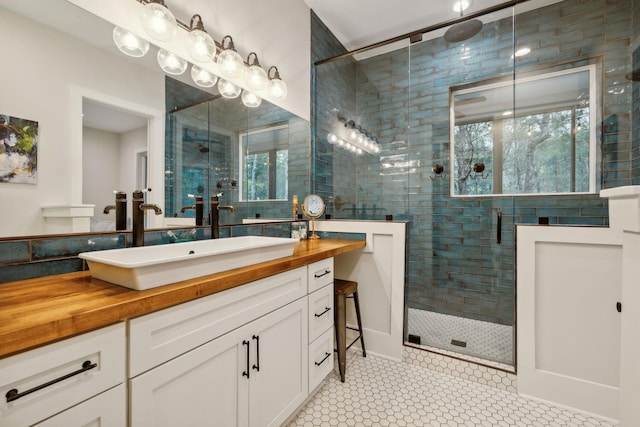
(228, 89)
(250, 99)
(171, 63)
(341, 143)
(278, 89)
(231, 63)
(256, 77)
(200, 46)
(129, 43)
(353, 134)
(202, 77)
(332, 138)
(158, 22)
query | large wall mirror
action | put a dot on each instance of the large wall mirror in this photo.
(103, 121)
(532, 135)
(258, 158)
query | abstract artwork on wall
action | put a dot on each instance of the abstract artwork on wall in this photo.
(18, 150)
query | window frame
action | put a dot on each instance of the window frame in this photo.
(483, 86)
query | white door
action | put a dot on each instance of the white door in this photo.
(569, 280)
(279, 377)
(203, 387)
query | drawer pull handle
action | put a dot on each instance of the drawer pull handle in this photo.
(14, 395)
(326, 356)
(247, 372)
(317, 276)
(326, 309)
(257, 365)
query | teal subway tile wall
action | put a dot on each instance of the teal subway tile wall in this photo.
(454, 263)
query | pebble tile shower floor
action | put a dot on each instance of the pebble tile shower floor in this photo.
(382, 392)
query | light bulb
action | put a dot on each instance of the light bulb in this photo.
(250, 99)
(230, 61)
(158, 21)
(129, 43)
(171, 63)
(200, 46)
(332, 138)
(277, 89)
(255, 77)
(202, 77)
(353, 134)
(228, 89)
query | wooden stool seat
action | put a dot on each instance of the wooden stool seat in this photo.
(344, 289)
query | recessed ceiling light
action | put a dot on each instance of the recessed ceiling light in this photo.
(461, 5)
(507, 113)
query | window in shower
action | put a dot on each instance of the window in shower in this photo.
(264, 158)
(545, 145)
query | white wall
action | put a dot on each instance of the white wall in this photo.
(101, 167)
(131, 143)
(38, 81)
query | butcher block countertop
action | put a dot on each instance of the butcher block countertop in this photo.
(40, 311)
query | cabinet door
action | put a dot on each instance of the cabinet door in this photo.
(108, 409)
(279, 379)
(203, 387)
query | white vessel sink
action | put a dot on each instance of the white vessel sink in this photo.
(152, 266)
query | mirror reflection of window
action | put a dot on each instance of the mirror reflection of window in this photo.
(545, 145)
(264, 160)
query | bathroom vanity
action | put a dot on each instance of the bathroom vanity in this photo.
(242, 347)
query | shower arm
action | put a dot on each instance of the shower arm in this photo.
(421, 31)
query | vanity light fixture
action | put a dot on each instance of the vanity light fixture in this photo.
(200, 45)
(171, 63)
(230, 61)
(202, 77)
(254, 75)
(355, 139)
(277, 87)
(129, 43)
(228, 89)
(250, 99)
(158, 21)
(160, 24)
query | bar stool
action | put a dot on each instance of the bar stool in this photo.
(344, 289)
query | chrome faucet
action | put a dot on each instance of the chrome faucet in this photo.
(139, 209)
(215, 214)
(120, 208)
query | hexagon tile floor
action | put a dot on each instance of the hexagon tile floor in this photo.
(382, 392)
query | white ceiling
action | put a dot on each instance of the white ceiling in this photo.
(360, 23)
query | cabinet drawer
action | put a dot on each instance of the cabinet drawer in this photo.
(320, 311)
(51, 379)
(320, 274)
(163, 335)
(320, 359)
(108, 409)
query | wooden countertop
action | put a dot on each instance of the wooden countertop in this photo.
(40, 311)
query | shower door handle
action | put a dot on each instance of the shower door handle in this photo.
(499, 228)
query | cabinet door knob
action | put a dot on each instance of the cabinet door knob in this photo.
(619, 307)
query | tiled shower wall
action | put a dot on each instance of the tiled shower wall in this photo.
(454, 265)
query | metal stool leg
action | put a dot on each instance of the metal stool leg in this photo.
(341, 333)
(357, 304)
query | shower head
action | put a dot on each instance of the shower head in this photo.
(203, 148)
(463, 31)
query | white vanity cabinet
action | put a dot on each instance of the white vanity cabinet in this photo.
(321, 314)
(74, 382)
(236, 358)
